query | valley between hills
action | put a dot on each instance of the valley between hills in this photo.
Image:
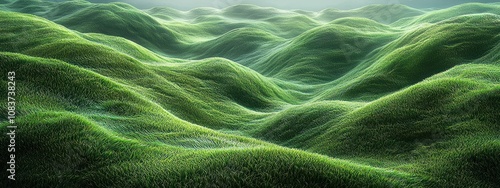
(108, 95)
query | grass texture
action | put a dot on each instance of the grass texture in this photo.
(246, 96)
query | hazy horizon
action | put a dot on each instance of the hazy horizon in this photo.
(310, 5)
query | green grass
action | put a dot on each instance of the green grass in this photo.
(380, 13)
(246, 96)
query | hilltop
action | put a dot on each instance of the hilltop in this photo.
(248, 96)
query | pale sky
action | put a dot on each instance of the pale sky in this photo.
(312, 5)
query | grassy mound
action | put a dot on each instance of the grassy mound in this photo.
(89, 155)
(380, 96)
(125, 21)
(322, 54)
(380, 13)
(238, 44)
(434, 48)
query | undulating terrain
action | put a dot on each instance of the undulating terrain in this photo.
(381, 96)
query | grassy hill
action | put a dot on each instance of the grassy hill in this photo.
(381, 96)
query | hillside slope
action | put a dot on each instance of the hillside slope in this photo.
(381, 96)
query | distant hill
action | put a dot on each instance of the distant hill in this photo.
(381, 96)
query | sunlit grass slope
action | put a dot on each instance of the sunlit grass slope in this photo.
(96, 132)
(247, 96)
(420, 53)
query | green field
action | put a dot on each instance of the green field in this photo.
(108, 95)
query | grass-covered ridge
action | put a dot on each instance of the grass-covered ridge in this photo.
(248, 96)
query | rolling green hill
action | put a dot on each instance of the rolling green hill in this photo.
(108, 95)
